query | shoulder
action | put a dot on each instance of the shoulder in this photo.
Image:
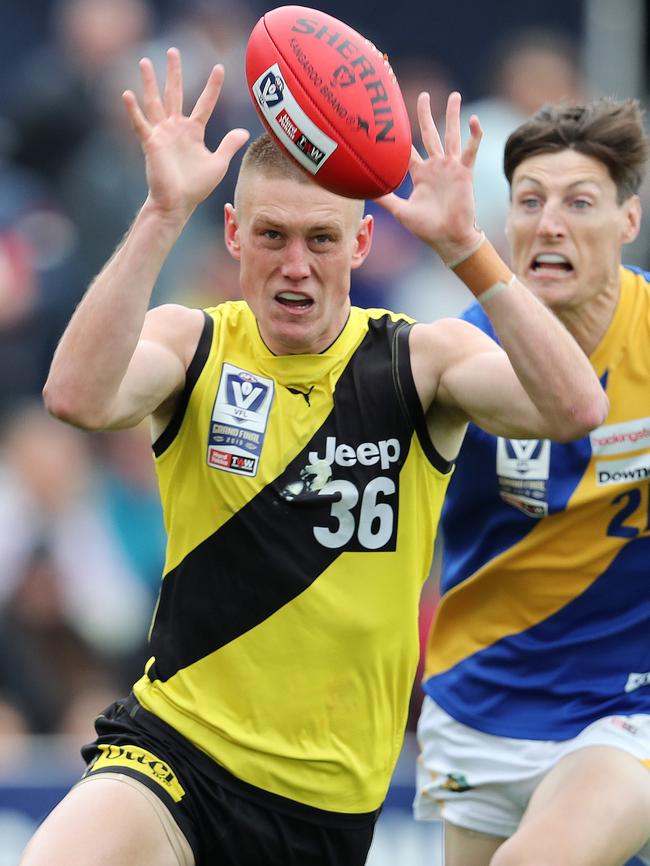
(176, 327)
(449, 338)
(441, 346)
(168, 313)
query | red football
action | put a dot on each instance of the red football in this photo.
(331, 99)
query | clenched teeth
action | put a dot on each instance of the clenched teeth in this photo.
(293, 296)
(550, 259)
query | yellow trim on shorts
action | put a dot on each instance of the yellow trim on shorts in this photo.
(135, 758)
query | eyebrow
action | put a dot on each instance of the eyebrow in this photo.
(266, 219)
(573, 184)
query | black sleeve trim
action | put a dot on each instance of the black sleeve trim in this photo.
(193, 372)
(405, 386)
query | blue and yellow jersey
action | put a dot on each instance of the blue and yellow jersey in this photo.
(301, 497)
(544, 620)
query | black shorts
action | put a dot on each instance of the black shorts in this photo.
(226, 821)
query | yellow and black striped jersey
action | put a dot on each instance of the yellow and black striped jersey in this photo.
(301, 495)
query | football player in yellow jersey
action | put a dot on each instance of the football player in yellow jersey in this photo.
(535, 728)
(303, 448)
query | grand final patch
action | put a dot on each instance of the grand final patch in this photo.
(523, 468)
(239, 420)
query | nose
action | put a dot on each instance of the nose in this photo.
(295, 260)
(551, 224)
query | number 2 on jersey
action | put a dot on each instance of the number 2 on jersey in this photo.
(625, 522)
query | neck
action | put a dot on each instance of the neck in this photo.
(588, 323)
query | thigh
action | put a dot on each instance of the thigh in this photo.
(474, 780)
(103, 821)
(465, 847)
(591, 809)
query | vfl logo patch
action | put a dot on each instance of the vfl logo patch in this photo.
(523, 467)
(239, 420)
(305, 141)
(270, 90)
(143, 762)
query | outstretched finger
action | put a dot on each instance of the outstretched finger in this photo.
(428, 131)
(416, 159)
(173, 97)
(452, 125)
(392, 203)
(471, 148)
(153, 106)
(206, 102)
(141, 126)
(228, 147)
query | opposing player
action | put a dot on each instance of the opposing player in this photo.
(303, 448)
(536, 723)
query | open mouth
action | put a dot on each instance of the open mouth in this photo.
(551, 263)
(294, 300)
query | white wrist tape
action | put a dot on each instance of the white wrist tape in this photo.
(466, 255)
(496, 289)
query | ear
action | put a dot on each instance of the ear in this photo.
(363, 241)
(231, 231)
(632, 219)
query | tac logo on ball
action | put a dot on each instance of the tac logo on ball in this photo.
(331, 99)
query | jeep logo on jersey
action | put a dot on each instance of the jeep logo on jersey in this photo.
(239, 420)
(270, 90)
(384, 452)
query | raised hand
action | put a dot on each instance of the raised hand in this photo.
(440, 209)
(181, 170)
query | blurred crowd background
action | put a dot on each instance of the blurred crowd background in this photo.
(81, 536)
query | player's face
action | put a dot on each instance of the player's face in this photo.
(297, 244)
(566, 228)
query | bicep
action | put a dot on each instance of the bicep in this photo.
(485, 388)
(465, 372)
(156, 372)
(154, 376)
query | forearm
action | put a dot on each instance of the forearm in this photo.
(552, 368)
(95, 350)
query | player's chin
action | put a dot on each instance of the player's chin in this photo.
(555, 294)
(549, 282)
